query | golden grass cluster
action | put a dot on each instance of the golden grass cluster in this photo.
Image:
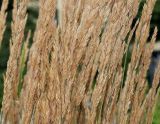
(3, 19)
(74, 66)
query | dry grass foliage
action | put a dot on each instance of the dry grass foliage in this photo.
(74, 66)
(3, 18)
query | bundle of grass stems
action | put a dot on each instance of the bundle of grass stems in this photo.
(76, 67)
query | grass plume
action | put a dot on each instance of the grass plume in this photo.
(75, 72)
